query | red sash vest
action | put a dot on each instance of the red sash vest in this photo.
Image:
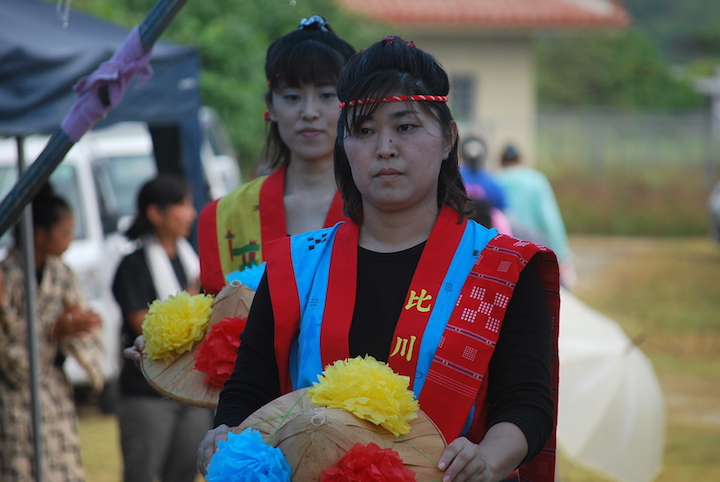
(460, 364)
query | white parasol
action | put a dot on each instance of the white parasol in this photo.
(611, 409)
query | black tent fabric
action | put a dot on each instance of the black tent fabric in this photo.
(40, 61)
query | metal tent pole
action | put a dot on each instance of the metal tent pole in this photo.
(28, 250)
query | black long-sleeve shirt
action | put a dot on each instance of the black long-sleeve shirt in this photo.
(134, 290)
(519, 372)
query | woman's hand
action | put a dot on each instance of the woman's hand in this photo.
(208, 446)
(499, 453)
(464, 461)
(194, 288)
(135, 352)
(75, 322)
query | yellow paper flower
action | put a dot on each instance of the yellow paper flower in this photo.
(370, 390)
(173, 326)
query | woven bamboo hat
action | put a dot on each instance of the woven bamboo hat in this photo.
(315, 438)
(179, 380)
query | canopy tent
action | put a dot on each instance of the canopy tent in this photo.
(40, 61)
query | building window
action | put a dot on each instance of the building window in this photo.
(462, 97)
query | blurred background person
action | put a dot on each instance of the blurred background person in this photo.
(159, 437)
(65, 328)
(476, 175)
(487, 196)
(533, 211)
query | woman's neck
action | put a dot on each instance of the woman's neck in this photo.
(387, 232)
(307, 195)
(168, 242)
(40, 258)
(309, 176)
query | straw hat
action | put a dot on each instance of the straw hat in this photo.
(179, 380)
(315, 438)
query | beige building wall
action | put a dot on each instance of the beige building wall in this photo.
(504, 101)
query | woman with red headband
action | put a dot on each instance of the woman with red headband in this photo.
(300, 194)
(468, 315)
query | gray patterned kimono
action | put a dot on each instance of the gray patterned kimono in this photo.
(61, 445)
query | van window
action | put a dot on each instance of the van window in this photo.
(65, 183)
(125, 175)
(8, 175)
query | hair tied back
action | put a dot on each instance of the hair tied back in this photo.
(315, 22)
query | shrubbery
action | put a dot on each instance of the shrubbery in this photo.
(634, 202)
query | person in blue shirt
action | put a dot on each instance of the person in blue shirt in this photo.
(479, 182)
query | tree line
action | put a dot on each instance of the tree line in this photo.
(625, 68)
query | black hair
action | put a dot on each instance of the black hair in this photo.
(474, 160)
(163, 191)
(482, 212)
(389, 67)
(510, 154)
(312, 54)
(48, 208)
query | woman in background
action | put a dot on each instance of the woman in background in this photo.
(159, 437)
(65, 328)
(300, 193)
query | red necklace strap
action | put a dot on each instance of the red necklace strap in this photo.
(395, 98)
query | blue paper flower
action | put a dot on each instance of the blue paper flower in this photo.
(246, 457)
(249, 276)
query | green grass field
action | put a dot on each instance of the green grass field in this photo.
(661, 290)
(643, 201)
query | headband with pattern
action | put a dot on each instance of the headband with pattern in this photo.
(395, 98)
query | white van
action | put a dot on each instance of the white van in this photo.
(100, 178)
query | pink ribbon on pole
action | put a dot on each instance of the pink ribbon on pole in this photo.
(115, 74)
